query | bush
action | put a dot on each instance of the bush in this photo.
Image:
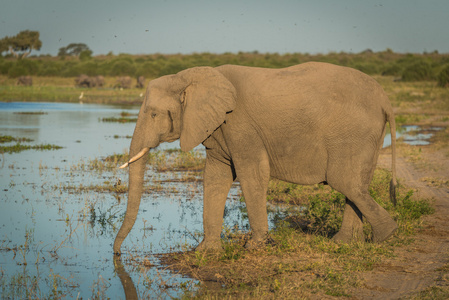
(149, 70)
(85, 55)
(50, 70)
(443, 77)
(418, 71)
(122, 68)
(5, 66)
(89, 68)
(17, 71)
(392, 70)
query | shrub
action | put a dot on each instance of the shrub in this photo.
(443, 77)
(5, 66)
(17, 71)
(85, 55)
(149, 70)
(392, 70)
(418, 71)
(122, 68)
(90, 68)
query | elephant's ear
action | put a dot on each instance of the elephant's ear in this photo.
(205, 102)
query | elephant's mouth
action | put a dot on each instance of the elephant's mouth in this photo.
(136, 157)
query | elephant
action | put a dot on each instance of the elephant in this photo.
(305, 124)
(25, 81)
(140, 82)
(89, 81)
(99, 81)
(123, 82)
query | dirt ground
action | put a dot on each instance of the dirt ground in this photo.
(424, 264)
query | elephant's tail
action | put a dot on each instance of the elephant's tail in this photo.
(393, 183)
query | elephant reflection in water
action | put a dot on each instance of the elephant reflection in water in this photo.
(306, 124)
(125, 279)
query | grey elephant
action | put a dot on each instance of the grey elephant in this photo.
(25, 81)
(306, 124)
(99, 81)
(140, 82)
(123, 82)
(85, 81)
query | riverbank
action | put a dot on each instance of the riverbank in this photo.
(60, 89)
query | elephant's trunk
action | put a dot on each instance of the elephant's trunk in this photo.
(136, 175)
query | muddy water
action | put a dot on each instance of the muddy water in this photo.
(56, 236)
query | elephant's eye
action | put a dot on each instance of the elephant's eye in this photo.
(153, 115)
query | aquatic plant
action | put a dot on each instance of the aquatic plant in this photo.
(20, 147)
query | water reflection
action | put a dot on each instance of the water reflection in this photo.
(125, 279)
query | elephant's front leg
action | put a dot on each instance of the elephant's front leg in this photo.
(254, 174)
(218, 178)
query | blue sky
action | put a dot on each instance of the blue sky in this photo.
(282, 26)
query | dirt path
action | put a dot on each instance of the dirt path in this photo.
(424, 263)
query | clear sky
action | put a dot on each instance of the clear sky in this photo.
(187, 26)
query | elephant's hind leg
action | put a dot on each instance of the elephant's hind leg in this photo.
(354, 185)
(352, 225)
(381, 222)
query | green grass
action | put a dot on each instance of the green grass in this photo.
(301, 260)
(120, 120)
(64, 90)
(177, 160)
(9, 139)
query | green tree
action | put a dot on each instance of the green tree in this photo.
(24, 42)
(443, 77)
(73, 49)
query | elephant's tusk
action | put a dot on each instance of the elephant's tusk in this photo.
(136, 157)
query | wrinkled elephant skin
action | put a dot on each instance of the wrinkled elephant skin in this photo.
(306, 124)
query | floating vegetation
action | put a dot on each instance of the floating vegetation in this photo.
(20, 147)
(108, 187)
(9, 139)
(119, 120)
(30, 113)
(125, 114)
(116, 136)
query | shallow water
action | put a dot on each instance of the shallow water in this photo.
(412, 135)
(49, 234)
(56, 239)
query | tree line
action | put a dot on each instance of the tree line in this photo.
(77, 59)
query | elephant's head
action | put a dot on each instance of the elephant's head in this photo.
(188, 106)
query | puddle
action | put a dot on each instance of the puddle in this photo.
(413, 135)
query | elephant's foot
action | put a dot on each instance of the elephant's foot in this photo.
(258, 241)
(209, 245)
(384, 230)
(348, 236)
